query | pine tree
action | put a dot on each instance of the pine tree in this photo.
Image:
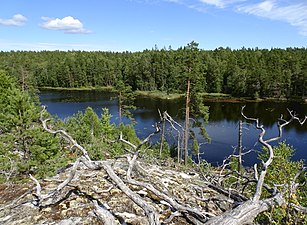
(22, 138)
(191, 69)
(126, 99)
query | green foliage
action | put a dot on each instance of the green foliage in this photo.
(79, 130)
(87, 129)
(282, 169)
(129, 134)
(24, 146)
(152, 152)
(205, 167)
(126, 99)
(195, 146)
(281, 173)
(244, 72)
(191, 73)
(98, 135)
(108, 129)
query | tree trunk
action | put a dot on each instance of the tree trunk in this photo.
(240, 147)
(179, 155)
(120, 106)
(247, 212)
(187, 125)
(162, 136)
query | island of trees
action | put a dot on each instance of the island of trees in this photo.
(88, 170)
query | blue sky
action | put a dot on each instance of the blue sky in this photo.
(135, 25)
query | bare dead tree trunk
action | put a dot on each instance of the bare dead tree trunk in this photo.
(162, 135)
(179, 150)
(199, 216)
(187, 125)
(92, 128)
(150, 211)
(240, 147)
(179, 130)
(120, 106)
(247, 212)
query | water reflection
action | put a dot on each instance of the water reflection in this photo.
(222, 127)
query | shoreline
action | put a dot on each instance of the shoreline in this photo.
(174, 96)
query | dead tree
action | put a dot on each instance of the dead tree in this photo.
(244, 213)
(247, 211)
(151, 213)
(162, 138)
(187, 121)
(240, 146)
(41, 200)
(198, 217)
(179, 129)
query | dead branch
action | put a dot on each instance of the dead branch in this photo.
(299, 208)
(246, 212)
(171, 217)
(136, 148)
(179, 130)
(11, 170)
(63, 133)
(293, 190)
(266, 143)
(40, 198)
(104, 215)
(150, 212)
(13, 203)
(178, 207)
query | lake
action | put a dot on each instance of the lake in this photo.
(222, 127)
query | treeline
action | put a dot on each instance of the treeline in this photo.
(245, 72)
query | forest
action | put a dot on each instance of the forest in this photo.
(255, 73)
(86, 169)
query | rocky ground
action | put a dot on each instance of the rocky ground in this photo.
(92, 194)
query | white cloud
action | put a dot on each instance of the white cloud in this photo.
(68, 24)
(266, 6)
(220, 3)
(16, 20)
(294, 14)
(217, 3)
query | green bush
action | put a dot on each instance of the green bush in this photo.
(24, 146)
(281, 174)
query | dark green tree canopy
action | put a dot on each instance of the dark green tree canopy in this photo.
(245, 72)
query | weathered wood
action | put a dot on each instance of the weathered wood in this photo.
(244, 213)
(240, 146)
(187, 122)
(247, 212)
(150, 211)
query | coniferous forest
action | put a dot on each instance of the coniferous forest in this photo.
(278, 73)
(101, 172)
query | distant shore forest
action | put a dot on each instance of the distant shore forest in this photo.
(255, 73)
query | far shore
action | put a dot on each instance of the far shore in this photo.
(173, 96)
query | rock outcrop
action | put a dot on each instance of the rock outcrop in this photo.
(92, 195)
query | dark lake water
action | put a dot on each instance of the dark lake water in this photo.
(222, 127)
